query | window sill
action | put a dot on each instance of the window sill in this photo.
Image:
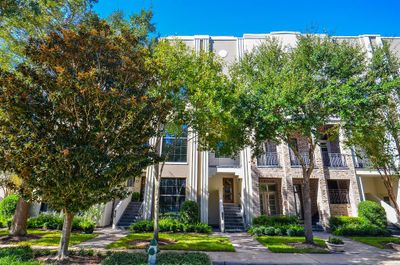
(176, 163)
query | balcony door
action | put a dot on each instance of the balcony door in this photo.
(228, 190)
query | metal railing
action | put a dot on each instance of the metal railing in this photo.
(339, 196)
(294, 161)
(270, 159)
(362, 162)
(334, 159)
(220, 161)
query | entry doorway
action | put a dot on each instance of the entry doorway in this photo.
(228, 190)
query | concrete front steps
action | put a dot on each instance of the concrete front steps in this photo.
(233, 218)
(130, 215)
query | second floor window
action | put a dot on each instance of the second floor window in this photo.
(175, 147)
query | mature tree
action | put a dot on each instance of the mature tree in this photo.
(374, 128)
(20, 20)
(194, 89)
(287, 94)
(75, 123)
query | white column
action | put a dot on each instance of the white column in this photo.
(149, 189)
(204, 188)
(193, 174)
(247, 185)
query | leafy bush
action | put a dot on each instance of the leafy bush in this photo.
(189, 212)
(23, 253)
(276, 220)
(169, 225)
(373, 212)
(52, 221)
(338, 221)
(136, 196)
(295, 230)
(8, 206)
(364, 229)
(335, 240)
(165, 258)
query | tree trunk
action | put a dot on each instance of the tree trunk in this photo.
(66, 233)
(156, 206)
(20, 220)
(307, 209)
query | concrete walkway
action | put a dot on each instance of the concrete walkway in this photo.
(105, 237)
(249, 251)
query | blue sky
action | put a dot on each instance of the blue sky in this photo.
(234, 17)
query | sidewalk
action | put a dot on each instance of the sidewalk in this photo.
(249, 251)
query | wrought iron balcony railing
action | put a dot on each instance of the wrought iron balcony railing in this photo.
(269, 159)
(334, 159)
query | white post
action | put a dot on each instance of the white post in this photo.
(192, 181)
(204, 188)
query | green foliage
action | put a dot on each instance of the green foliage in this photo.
(335, 240)
(276, 220)
(169, 225)
(162, 259)
(338, 221)
(136, 196)
(283, 244)
(373, 212)
(8, 206)
(54, 221)
(278, 230)
(364, 229)
(189, 212)
(377, 241)
(23, 253)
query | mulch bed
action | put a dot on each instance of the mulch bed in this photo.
(303, 245)
(16, 239)
(91, 260)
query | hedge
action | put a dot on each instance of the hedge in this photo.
(165, 258)
(169, 225)
(276, 220)
(54, 221)
(283, 230)
(373, 212)
(189, 212)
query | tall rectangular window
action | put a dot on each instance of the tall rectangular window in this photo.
(175, 147)
(172, 194)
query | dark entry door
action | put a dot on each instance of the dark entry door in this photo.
(228, 190)
(298, 200)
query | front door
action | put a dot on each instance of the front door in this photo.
(228, 190)
(269, 198)
(298, 200)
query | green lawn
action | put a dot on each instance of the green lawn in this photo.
(177, 241)
(51, 238)
(279, 244)
(377, 241)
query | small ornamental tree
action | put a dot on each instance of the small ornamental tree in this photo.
(75, 123)
(294, 94)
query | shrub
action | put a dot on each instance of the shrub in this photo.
(8, 206)
(23, 253)
(364, 229)
(335, 240)
(166, 258)
(373, 212)
(136, 196)
(295, 230)
(189, 212)
(46, 221)
(276, 220)
(83, 224)
(142, 226)
(337, 221)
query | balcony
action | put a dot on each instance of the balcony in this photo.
(336, 160)
(363, 163)
(339, 196)
(295, 162)
(269, 159)
(223, 162)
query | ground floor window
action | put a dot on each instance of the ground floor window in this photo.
(269, 198)
(172, 194)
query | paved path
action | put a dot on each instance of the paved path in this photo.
(249, 251)
(105, 237)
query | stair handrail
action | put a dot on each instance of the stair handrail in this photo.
(140, 212)
(221, 211)
(120, 209)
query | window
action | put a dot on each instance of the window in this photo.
(175, 147)
(172, 194)
(269, 198)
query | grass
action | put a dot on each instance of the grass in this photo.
(51, 238)
(280, 244)
(164, 258)
(178, 241)
(377, 241)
